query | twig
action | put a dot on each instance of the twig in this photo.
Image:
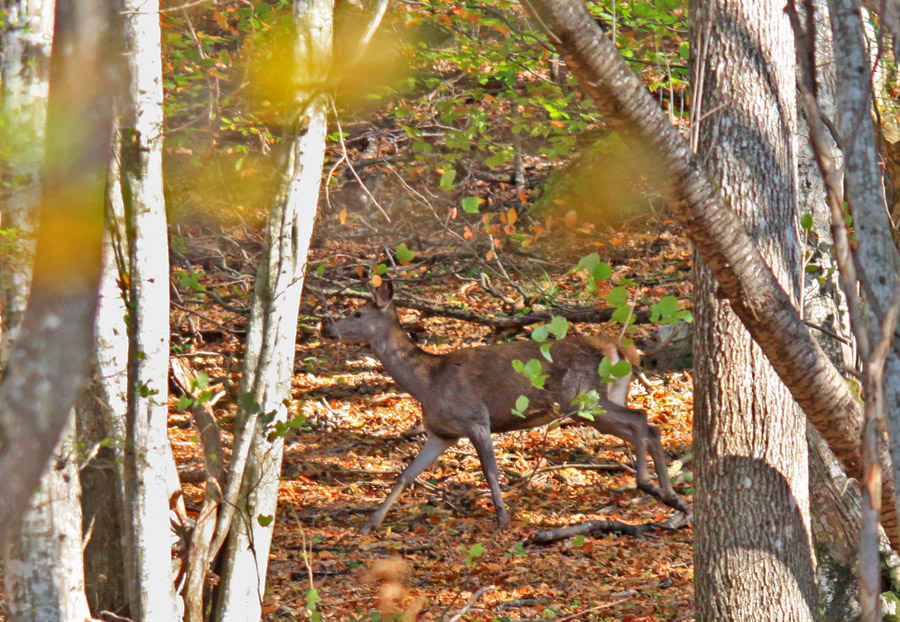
(478, 594)
(575, 616)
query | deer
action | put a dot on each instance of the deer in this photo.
(472, 393)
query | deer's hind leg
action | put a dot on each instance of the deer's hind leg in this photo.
(631, 425)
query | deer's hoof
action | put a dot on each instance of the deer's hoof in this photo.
(366, 529)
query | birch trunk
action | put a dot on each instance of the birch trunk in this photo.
(25, 47)
(150, 575)
(271, 339)
(43, 578)
(50, 358)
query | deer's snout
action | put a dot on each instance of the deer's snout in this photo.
(329, 331)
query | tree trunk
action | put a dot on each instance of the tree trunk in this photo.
(101, 422)
(876, 256)
(44, 579)
(720, 238)
(271, 339)
(752, 551)
(150, 575)
(50, 359)
(24, 84)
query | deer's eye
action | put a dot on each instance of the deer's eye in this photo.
(357, 314)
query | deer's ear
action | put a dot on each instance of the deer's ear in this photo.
(384, 293)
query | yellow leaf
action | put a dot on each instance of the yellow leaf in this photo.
(376, 280)
(221, 20)
(343, 216)
(512, 216)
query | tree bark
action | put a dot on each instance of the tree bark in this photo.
(43, 578)
(24, 85)
(271, 338)
(876, 256)
(753, 550)
(148, 537)
(721, 240)
(51, 356)
(101, 421)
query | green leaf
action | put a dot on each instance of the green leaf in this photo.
(621, 369)
(404, 254)
(559, 326)
(806, 221)
(545, 351)
(518, 365)
(622, 314)
(578, 540)
(202, 380)
(521, 404)
(447, 179)
(475, 551)
(617, 296)
(667, 307)
(470, 205)
(380, 269)
(248, 404)
(540, 333)
(532, 368)
(264, 521)
(605, 368)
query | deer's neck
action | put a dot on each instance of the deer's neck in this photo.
(405, 361)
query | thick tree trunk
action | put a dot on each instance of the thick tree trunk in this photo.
(44, 579)
(271, 339)
(720, 238)
(147, 450)
(753, 553)
(50, 359)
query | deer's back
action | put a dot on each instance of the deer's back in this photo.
(469, 381)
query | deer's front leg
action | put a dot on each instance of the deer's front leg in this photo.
(484, 447)
(432, 448)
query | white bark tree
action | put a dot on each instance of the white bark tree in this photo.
(44, 578)
(49, 360)
(147, 452)
(25, 46)
(271, 340)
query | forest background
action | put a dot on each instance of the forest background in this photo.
(463, 159)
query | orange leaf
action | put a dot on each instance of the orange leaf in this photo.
(571, 218)
(221, 20)
(615, 241)
(512, 216)
(490, 255)
(453, 213)
(509, 229)
(468, 234)
(376, 280)
(343, 216)
(360, 271)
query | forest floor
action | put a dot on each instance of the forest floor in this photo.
(437, 556)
